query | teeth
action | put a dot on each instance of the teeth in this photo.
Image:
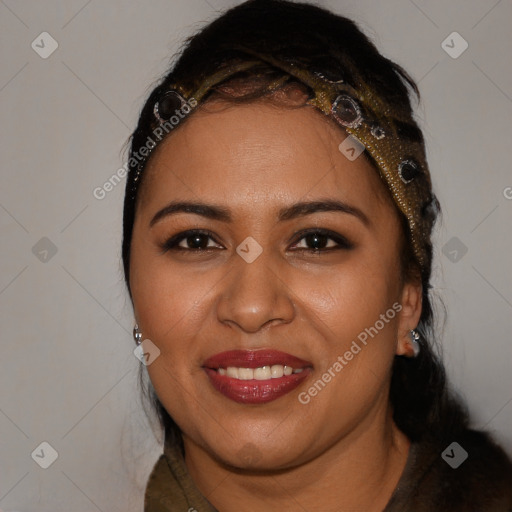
(263, 373)
(232, 372)
(276, 371)
(245, 373)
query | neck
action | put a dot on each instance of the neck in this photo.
(358, 472)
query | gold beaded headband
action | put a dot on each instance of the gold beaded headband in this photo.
(383, 131)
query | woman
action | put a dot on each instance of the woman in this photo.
(277, 251)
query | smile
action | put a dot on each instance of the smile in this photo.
(255, 376)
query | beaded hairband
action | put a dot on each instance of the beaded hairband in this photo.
(375, 126)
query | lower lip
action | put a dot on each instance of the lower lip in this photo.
(255, 391)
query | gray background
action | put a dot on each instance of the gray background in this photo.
(68, 374)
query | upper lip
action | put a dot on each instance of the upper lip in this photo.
(254, 359)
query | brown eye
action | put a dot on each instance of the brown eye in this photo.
(191, 240)
(320, 240)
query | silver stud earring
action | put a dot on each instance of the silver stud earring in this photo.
(415, 338)
(137, 335)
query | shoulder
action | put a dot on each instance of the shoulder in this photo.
(469, 472)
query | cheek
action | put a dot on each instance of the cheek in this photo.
(353, 297)
(355, 369)
(357, 312)
(167, 304)
(170, 311)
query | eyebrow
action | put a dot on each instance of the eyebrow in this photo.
(220, 213)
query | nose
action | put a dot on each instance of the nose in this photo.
(255, 295)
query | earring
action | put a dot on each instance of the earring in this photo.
(137, 335)
(415, 338)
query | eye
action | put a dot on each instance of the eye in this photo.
(192, 240)
(315, 240)
(321, 240)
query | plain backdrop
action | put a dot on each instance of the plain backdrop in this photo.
(68, 375)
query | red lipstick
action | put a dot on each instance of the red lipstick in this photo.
(255, 391)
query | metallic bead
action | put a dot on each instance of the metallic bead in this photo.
(166, 106)
(347, 111)
(408, 170)
(378, 132)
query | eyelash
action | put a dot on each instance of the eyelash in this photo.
(343, 243)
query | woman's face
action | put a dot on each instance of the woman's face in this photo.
(296, 263)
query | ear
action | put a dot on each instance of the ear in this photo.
(411, 301)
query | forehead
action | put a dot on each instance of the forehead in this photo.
(258, 152)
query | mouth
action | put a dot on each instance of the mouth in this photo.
(255, 376)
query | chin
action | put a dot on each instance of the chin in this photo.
(250, 451)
